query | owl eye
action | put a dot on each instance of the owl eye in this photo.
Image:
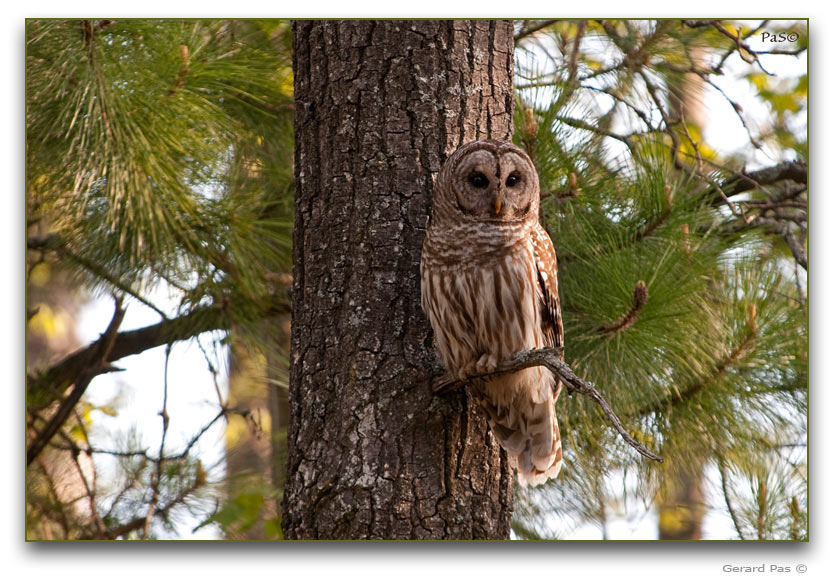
(479, 180)
(513, 179)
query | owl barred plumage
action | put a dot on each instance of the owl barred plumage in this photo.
(489, 289)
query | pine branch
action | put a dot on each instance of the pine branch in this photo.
(551, 358)
(723, 365)
(646, 232)
(140, 522)
(641, 297)
(628, 140)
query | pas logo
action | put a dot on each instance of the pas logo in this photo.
(779, 37)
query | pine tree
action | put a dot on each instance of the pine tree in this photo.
(159, 152)
(681, 275)
(373, 452)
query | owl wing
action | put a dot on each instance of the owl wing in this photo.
(546, 267)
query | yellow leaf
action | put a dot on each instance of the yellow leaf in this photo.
(77, 433)
(48, 322)
(40, 274)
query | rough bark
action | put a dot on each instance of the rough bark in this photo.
(373, 453)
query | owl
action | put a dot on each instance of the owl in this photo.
(489, 289)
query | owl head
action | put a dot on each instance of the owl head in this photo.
(487, 181)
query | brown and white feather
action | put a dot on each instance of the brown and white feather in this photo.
(489, 289)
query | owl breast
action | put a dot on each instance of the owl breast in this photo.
(483, 309)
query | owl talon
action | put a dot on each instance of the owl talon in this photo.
(466, 372)
(486, 364)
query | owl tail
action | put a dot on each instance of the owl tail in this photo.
(520, 409)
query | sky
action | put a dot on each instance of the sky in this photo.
(137, 396)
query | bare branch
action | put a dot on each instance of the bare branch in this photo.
(794, 170)
(525, 32)
(156, 478)
(96, 362)
(726, 493)
(551, 358)
(51, 383)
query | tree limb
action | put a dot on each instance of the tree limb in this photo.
(794, 170)
(52, 382)
(551, 358)
(96, 361)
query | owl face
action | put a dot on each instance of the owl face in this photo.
(492, 181)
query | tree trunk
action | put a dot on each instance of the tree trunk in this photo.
(680, 504)
(680, 501)
(373, 454)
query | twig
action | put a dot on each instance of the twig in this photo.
(533, 29)
(89, 488)
(574, 57)
(571, 83)
(89, 450)
(156, 478)
(736, 107)
(619, 98)
(780, 227)
(551, 358)
(668, 122)
(53, 242)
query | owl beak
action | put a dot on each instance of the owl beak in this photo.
(497, 205)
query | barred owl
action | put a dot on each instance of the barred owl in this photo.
(488, 285)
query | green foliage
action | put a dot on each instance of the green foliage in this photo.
(245, 510)
(169, 143)
(711, 369)
(159, 154)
